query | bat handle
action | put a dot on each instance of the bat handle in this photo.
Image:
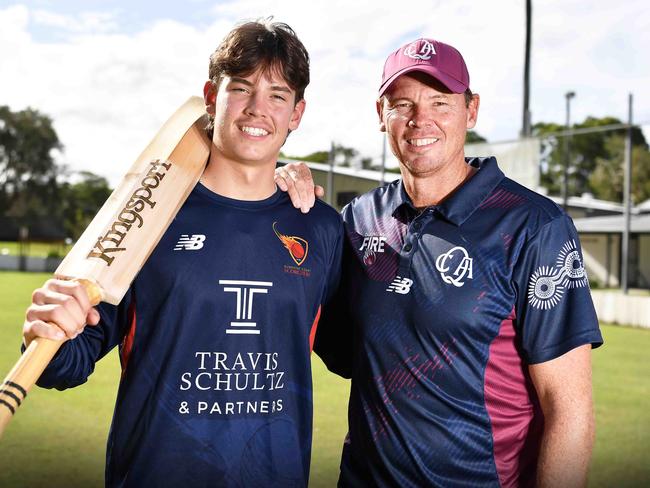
(31, 365)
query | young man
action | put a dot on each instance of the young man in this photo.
(466, 304)
(215, 338)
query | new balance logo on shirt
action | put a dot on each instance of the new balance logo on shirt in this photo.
(400, 285)
(192, 242)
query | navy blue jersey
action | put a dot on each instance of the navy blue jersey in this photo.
(215, 337)
(448, 306)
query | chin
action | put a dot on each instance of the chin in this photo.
(422, 167)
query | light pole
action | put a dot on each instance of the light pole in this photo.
(526, 129)
(567, 152)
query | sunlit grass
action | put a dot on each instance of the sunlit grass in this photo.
(59, 438)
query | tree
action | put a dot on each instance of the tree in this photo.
(472, 137)
(607, 179)
(32, 186)
(315, 157)
(81, 200)
(588, 152)
(28, 173)
(342, 156)
(27, 143)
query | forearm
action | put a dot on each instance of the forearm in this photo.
(72, 365)
(566, 448)
(75, 361)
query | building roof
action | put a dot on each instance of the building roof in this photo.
(644, 207)
(613, 224)
(365, 174)
(588, 202)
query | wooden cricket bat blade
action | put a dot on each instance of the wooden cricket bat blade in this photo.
(118, 241)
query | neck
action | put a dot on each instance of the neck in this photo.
(238, 180)
(433, 188)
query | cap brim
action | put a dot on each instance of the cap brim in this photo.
(451, 83)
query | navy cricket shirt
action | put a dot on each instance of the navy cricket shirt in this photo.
(215, 339)
(447, 307)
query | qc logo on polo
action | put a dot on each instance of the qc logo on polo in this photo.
(455, 266)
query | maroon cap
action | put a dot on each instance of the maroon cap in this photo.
(434, 58)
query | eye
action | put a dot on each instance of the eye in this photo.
(279, 97)
(239, 89)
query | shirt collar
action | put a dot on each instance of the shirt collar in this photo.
(458, 207)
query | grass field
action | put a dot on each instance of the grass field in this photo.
(58, 438)
(36, 249)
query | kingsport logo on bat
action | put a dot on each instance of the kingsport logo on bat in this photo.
(110, 242)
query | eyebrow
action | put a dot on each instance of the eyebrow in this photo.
(244, 81)
(431, 97)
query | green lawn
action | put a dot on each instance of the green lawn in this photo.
(58, 438)
(36, 249)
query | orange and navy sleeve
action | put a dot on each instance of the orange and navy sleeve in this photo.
(333, 342)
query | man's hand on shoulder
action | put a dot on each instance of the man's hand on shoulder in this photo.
(296, 179)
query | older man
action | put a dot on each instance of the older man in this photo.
(465, 303)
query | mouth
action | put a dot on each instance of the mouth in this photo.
(254, 131)
(422, 141)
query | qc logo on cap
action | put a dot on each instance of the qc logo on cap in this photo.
(437, 59)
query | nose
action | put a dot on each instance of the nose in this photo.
(255, 105)
(420, 118)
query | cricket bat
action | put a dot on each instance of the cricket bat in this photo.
(118, 241)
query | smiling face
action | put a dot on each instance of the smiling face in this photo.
(426, 123)
(252, 116)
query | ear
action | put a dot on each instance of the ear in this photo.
(380, 113)
(209, 96)
(296, 115)
(472, 110)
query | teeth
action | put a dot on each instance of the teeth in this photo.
(422, 142)
(254, 131)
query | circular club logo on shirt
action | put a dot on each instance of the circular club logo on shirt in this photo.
(547, 284)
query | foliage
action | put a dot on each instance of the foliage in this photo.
(343, 156)
(33, 187)
(81, 200)
(28, 172)
(472, 137)
(315, 157)
(366, 163)
(595, 157)
(608, 176)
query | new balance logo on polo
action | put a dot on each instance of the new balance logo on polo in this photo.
(425, 52)
(245, 292)
(400, 285)
(192, 242)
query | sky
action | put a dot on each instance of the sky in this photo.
(109, 73)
